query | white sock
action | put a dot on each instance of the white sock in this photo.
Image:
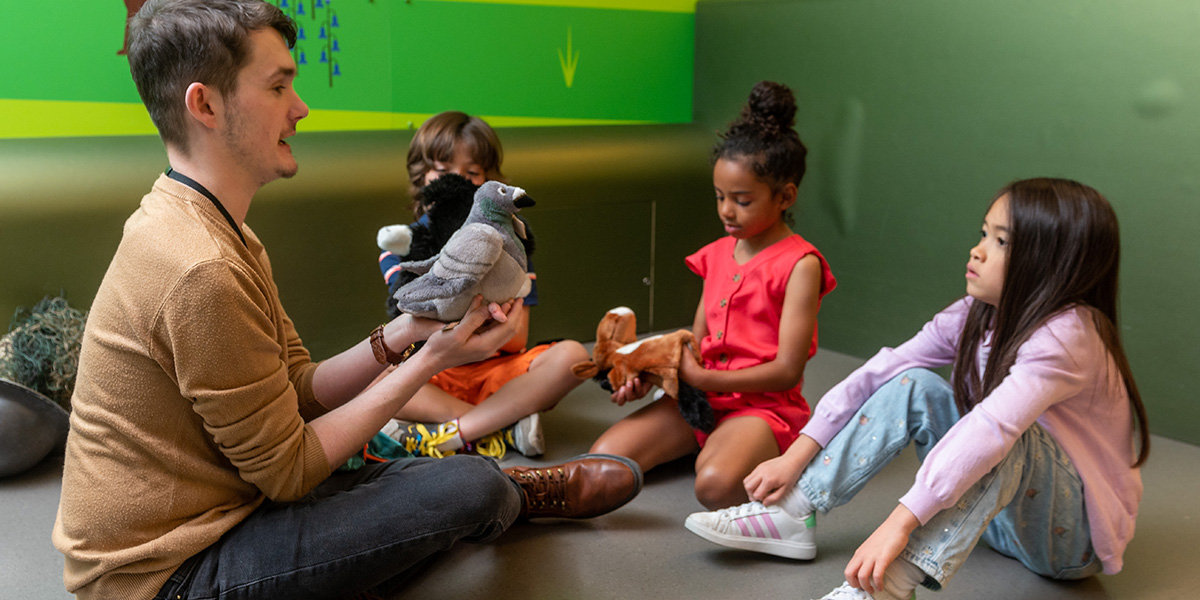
(454, 443)
(797, 504)
(901, 578)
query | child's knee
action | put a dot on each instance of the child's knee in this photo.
(924, 381)
(717, 489)
(568, 352)
(605, 445)
(917, 374)
(557, 360)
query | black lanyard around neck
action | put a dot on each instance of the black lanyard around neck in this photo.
(188, 181)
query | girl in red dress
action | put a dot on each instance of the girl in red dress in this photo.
(757, 320)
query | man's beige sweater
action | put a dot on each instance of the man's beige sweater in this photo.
(191, 404)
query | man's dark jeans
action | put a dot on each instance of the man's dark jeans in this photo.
(353, 532)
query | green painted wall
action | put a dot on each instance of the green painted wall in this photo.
(374, 65)
(606, 197)
(916, 112)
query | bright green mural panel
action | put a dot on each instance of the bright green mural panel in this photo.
(505, 60)
(73, 54)
(377, 64)
(65, 50)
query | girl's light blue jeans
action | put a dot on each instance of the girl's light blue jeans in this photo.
(1029, 507)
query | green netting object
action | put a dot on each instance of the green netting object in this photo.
(41, 350)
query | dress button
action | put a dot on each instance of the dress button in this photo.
(723, 302)
(724, 358)
(737, 276)
(720, 334)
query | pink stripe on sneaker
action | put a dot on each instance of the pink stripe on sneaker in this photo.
(757, 528)
(742, 526)
(771, 526)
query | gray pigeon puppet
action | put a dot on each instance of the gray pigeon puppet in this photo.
(485, 256)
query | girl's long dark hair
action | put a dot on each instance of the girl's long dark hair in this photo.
(1064, 250)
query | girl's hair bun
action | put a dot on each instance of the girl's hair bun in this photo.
(771, 109)
(765, 135)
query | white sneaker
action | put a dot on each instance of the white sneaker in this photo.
(752, 526)
(526, 436)
(845, 592)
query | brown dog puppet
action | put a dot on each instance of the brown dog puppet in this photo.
(619, 356)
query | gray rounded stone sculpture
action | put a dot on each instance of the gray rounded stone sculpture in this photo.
(31, 426)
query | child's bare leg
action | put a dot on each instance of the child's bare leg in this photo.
(431, 404)
(548, 379)
(653, 435)
(735, 447)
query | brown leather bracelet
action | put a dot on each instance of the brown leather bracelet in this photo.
(383, 354)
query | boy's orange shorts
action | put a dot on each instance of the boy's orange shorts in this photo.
(474, 382)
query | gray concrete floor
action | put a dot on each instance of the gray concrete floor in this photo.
(643, 551)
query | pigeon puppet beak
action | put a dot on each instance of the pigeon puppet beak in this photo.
(523, 201)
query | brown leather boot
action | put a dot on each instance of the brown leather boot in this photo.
(588, 485)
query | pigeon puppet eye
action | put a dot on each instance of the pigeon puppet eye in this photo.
(503, 190)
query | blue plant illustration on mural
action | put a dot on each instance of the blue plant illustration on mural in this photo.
(323, 16)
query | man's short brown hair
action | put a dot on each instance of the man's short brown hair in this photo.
(174, 43)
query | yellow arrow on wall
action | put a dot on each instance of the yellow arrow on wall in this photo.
(569, 62)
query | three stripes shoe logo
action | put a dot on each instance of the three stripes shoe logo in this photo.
(760, 523)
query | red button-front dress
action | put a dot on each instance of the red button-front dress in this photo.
(742, 308)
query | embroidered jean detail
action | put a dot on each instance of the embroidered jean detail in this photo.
(878, 432)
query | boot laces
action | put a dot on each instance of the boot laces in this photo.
(545, 488)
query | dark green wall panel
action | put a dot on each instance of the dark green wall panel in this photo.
(916, 112)
(63, 203)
